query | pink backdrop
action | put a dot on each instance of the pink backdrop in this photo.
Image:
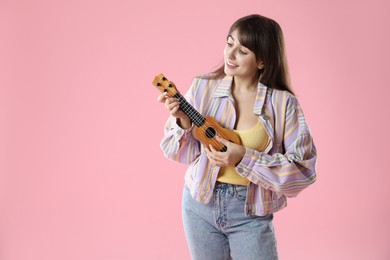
(82, 175)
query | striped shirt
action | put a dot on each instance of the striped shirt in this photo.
(283, 169)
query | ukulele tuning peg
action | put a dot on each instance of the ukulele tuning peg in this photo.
(164, 78)
(170, 85)
(158, 84)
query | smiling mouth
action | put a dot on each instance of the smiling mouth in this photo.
(231, 65)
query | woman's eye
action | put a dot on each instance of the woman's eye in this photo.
(242, 52)
(229, 44)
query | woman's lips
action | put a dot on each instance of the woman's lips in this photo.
(231, 65)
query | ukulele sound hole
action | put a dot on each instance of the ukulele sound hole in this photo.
(210, 132)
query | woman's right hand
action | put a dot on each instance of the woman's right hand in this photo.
(172, 105)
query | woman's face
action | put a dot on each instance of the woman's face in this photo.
(239, 60)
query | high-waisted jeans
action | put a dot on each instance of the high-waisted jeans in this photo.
(220, 230)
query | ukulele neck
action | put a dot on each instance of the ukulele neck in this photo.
(191, 112)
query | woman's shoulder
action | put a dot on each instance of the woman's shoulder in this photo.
(207, 79)
(210, 76)
(282, 94)
(283, 99)
(203, 87)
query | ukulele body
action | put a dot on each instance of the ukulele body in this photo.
(210, 129)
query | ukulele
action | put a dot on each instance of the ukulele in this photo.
(205, 128)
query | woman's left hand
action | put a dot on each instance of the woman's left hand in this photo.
(231, 157)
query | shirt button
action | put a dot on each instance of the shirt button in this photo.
(178, 132)
(240, 170)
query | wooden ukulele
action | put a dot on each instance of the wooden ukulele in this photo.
(205, 128)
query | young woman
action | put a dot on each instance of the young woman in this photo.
(229, 197)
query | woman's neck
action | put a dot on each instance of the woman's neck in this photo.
(244, 84)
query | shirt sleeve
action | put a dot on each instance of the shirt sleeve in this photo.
(179, 144)
(290, 172)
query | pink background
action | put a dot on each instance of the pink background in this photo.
(82, 175)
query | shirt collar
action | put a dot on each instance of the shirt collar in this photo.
(224, 87)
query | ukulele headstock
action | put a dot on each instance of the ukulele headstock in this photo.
(164, 85)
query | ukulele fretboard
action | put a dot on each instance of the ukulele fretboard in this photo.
(191, 112)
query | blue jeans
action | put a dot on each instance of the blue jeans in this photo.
(220, 229)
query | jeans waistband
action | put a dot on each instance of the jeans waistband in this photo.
(225, 186)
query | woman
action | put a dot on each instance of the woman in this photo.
(229, 197)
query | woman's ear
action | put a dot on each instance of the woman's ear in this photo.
(261, 65)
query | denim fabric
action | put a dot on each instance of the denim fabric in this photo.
(220, 229)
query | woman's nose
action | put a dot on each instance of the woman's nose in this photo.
(230, 54)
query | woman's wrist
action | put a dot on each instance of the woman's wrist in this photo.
(184, 123)
(242, 151)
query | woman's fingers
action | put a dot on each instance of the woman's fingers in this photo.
(213, 159)
(210, 156)
(174, 110)
(216, 157)
(161, 98)
(165, 98)
(172, 105)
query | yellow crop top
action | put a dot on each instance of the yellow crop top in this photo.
(255, 138)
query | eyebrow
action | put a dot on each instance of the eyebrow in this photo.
(233, 40)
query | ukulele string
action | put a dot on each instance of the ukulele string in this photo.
(193, 112)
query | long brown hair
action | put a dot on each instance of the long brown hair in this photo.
(264, 37)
